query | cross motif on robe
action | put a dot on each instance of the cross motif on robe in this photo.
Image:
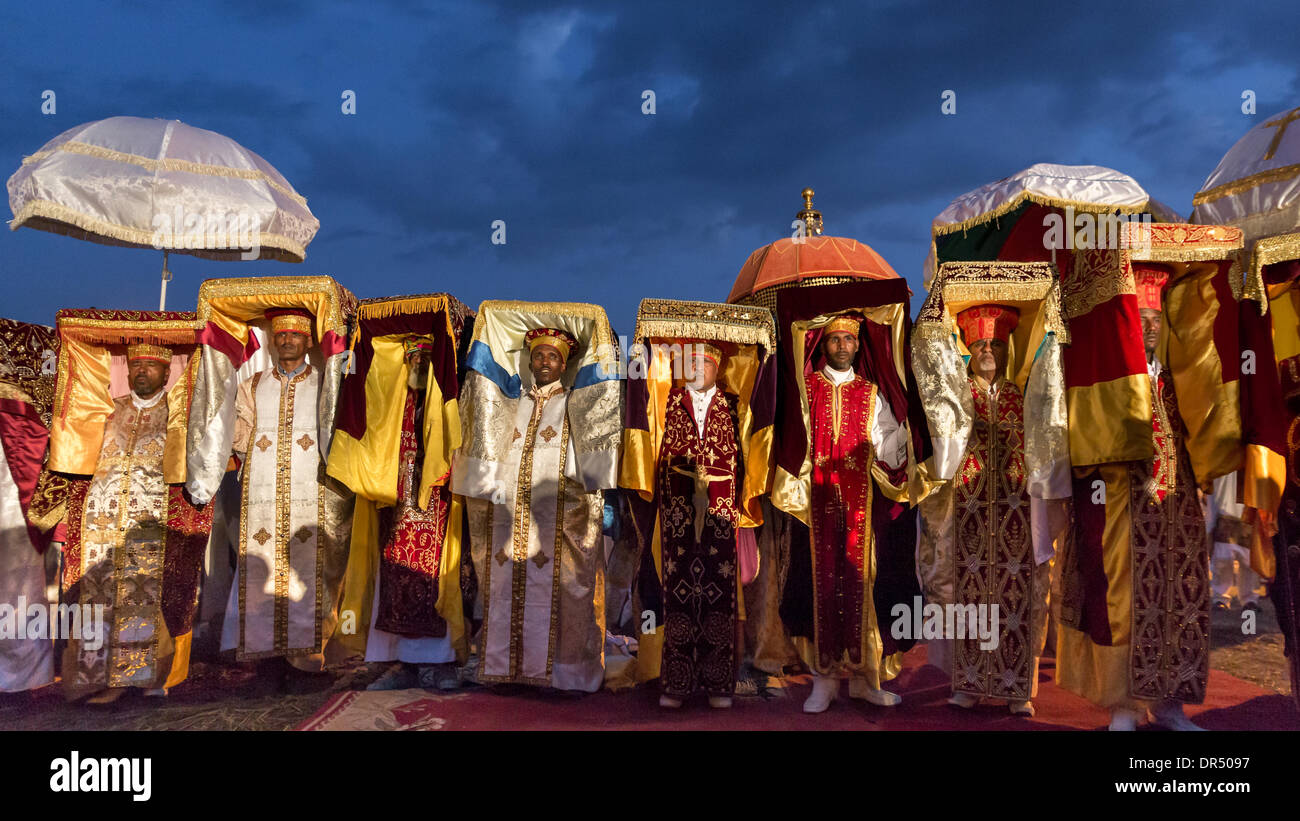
(306, 442)
(264, 443)
(1280, 124)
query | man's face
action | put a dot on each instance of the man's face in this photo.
(1151, 322)
(546, 364)
(705, 372)
(840, 347)
(147, 376)
(290, 346)
(417, 369)
(989, 358)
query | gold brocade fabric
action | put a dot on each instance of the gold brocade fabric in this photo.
(124, 526)
(992, 551)
(1170, 647)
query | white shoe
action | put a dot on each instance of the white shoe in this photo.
(670, 702)
(1170, 716)
(156, 692)
(881, 698)
(825, 689)
(1022, 708)
(1122, 720)
(720, 702)
(963, 700)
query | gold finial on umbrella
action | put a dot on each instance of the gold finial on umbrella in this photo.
(811, 217)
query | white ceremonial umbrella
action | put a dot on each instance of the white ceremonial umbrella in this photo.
(151, 183)
(1256, 187)
(1084, 188)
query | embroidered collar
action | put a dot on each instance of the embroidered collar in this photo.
(546, 391)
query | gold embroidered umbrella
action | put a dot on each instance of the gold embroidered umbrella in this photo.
(151, 183)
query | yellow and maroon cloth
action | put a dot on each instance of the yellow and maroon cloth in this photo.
(694, 489)
(140, 561)
(1135, 603)
(392, 447)
(857, 546)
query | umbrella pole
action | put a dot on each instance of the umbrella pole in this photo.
(166, 275)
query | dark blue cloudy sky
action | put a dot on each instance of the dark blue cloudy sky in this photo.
(472, 112)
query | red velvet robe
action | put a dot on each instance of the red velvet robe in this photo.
(699, 558)
(843, 560)
(412, 541)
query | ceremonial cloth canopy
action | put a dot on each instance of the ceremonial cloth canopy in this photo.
(498, 373)
(978, 224)
(939, 358)
(802, 314)
(232, 322)
(747, 337)
(364, 455)
(151, 183)
(93, 371)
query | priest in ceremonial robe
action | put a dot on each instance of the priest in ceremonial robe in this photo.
(137, 547)
(698, 516)
(996, 524)
(852, 429)
(398, 424)
(1137, 590)
(272, 614)
(533, 462)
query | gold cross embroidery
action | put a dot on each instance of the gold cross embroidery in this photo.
(549, 434)
(303, 534)
(264, 443)
(306, 442)
(1280, 124)
(517, 435)
(540, 560)
(501, 557)
(261, 536)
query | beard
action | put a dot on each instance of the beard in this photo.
(417, 379)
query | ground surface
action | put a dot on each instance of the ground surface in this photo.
(219, 696)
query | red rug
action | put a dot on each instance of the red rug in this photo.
(1231, 704)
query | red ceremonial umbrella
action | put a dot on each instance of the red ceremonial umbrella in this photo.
(805, 259)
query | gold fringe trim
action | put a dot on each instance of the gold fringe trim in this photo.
(671, 318)
(127, 331)
(1267, 251)
(1199, 252)
(153, 165)
(996, 281)
(226, 287)
(46, 210)
(401, 305)
(1019, 199)
(1244, 184)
